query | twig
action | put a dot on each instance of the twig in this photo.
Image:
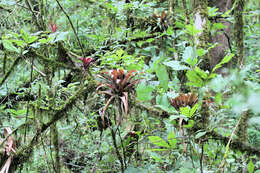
(35, 68)
(117, 150)
(81, 47)
(34, 17)
(221, 167)
(201, 158)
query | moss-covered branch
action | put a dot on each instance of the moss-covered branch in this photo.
(10, 70)
(25, 152)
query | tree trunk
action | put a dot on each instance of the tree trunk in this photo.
(238, 31)
(201, 23)
(222, 39)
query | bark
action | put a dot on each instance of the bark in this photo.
(222, 39)
(201, 23)
(238, 31)
(25, 152)
(242, 127)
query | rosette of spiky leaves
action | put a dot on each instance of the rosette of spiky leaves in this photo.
(183, 100)
(118, 83)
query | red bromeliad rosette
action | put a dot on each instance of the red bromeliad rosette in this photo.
(118, 83)
(86, 61)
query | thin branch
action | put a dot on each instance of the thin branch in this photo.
(227, 147)
(10, 70)
(34, 17)
(81, 47)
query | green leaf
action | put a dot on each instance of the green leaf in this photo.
(32, 39)
(25, 35)
(200, 134)
(20, 43)
(144, 93)
(218, 26)
(162, 100)
(218, 98)
(172, 139)
(193, 109)
(162, 75)
(9, 46)
(169, 31)
(156, 140)
(202, 73)
(185, 111)
(225, 60)
(189, 53)
(194, 79)
(251, 167)
(175, 65)
(190, 124)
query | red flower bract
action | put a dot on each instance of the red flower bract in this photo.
(54, 27)
(86, 61)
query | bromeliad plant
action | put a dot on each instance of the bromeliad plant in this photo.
(118, 83)
(181, 104)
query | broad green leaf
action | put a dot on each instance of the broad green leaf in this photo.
(202, 73)
(251, 167)
(175, 65)
(25, 35)
(156, 140)
(189, 52)
(193, 109)
(19, 42)
(32, 39)
(218, 26)
(200, 52)
(194, 79)
(144, 93)
(190, 124)
(156, 157)
(225, 60)
(162, 100)
(172, 139)
(212, 11)
(218, 98)
(162, 75)
(185, 111)
(192, 30)
(192, 61)
(9, 46)
(200, 134)
(169, 31)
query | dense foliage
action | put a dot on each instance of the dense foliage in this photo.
(129, 86)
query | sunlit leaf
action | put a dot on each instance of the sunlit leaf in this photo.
(251, 167)
(162, 75)
(156, 140)
(9, 46)
(175, 65)
(144, 93)
(172, 139)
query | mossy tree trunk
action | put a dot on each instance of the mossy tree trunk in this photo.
(201, 23)
(238, 31)
(222, 38)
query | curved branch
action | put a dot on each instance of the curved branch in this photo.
(80, 45)
(10, 70)
(26, 151)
